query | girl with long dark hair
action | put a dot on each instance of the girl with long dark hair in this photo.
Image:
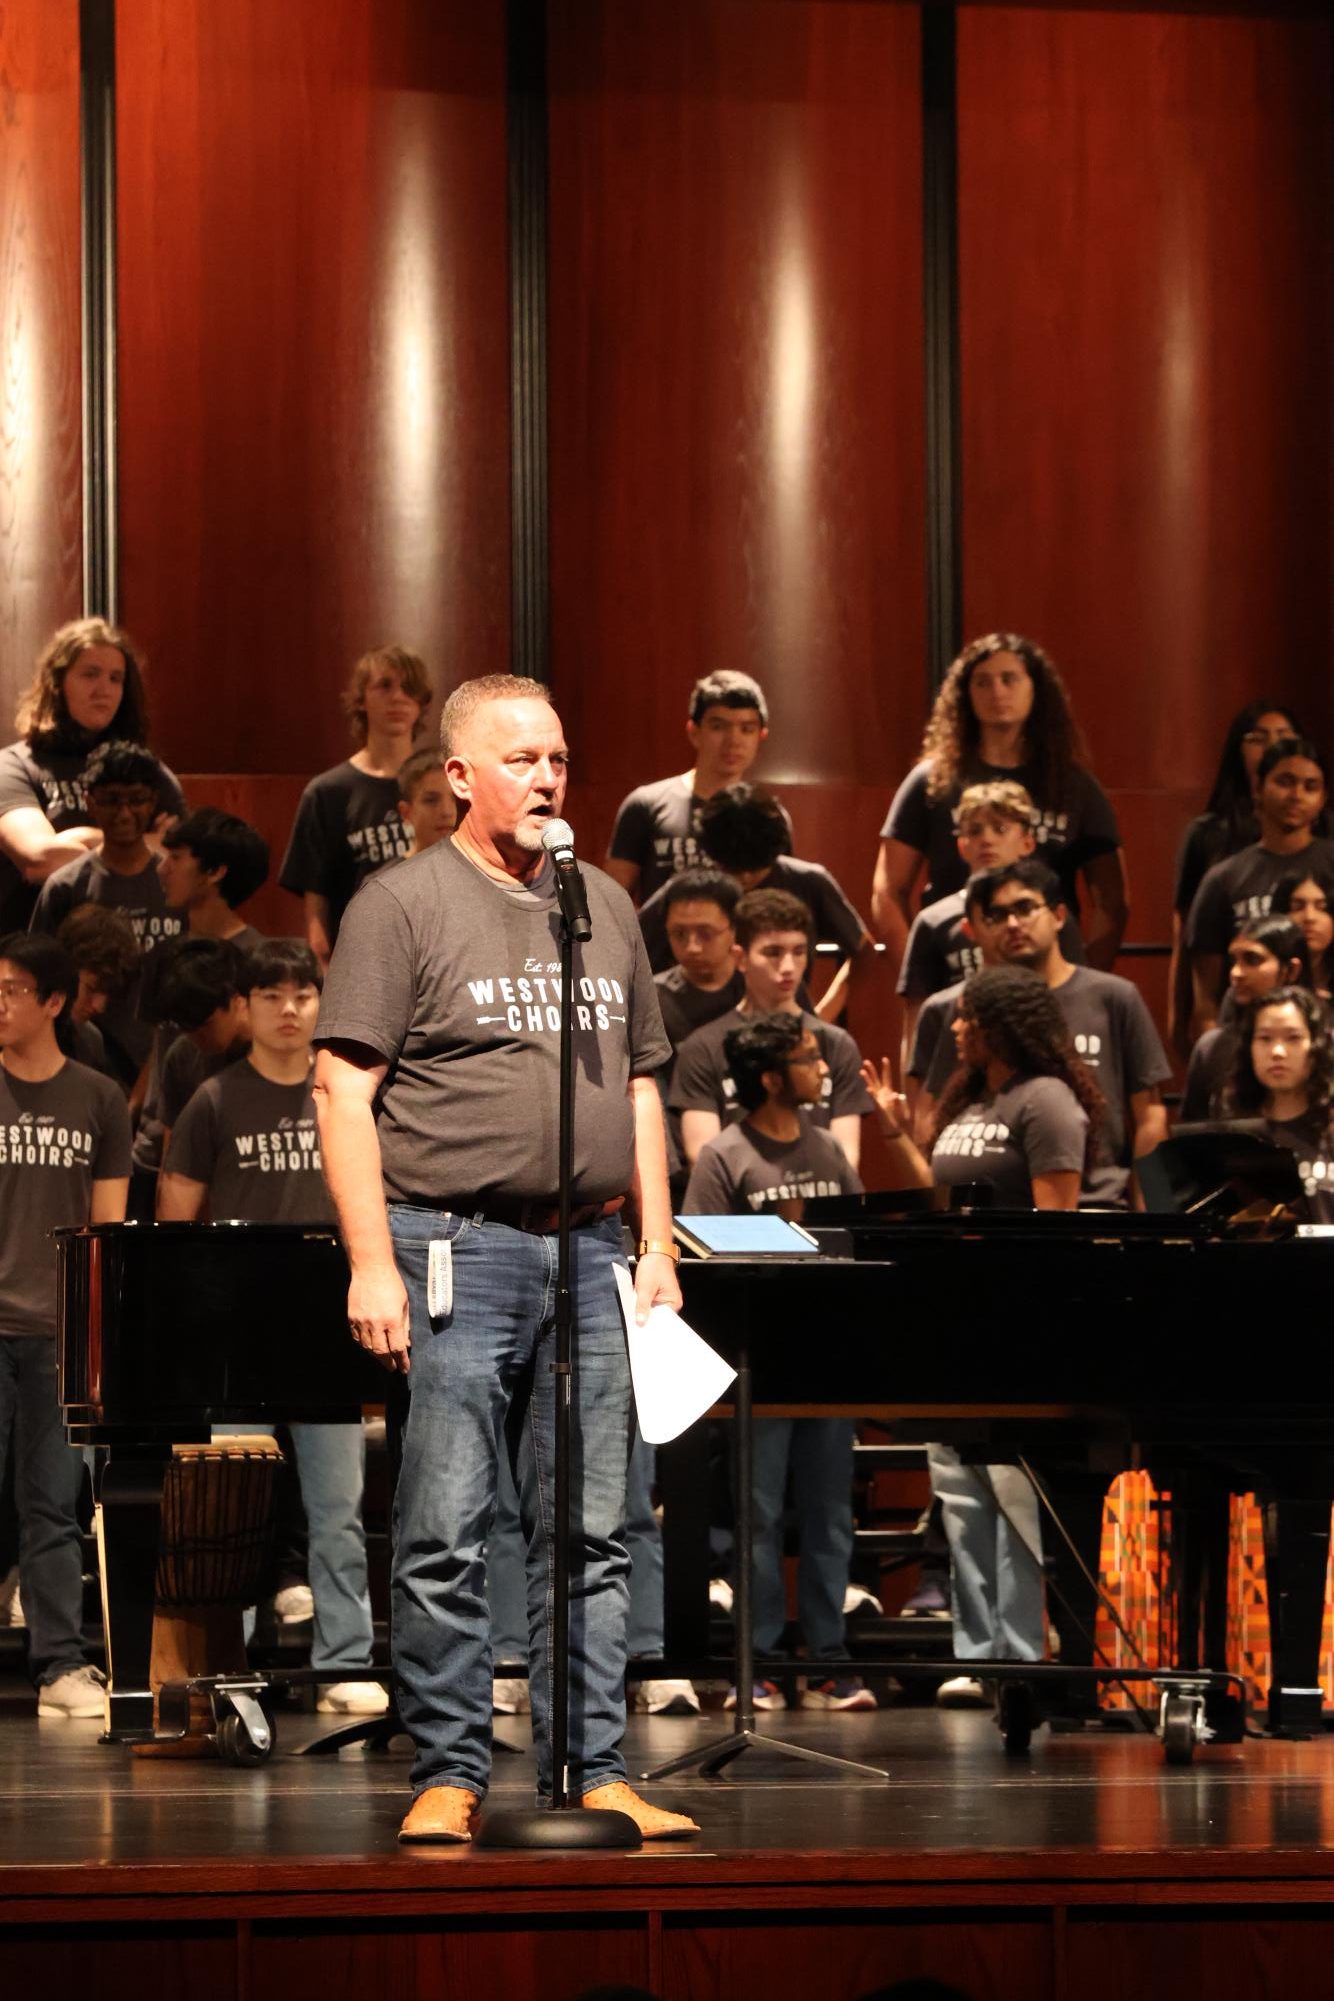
(1307, 897)
(1284, 1074)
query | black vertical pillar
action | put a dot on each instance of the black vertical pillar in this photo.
(530, 644)
(97, 169)
(940, 266)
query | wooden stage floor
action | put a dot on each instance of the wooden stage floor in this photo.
(1087, 1869)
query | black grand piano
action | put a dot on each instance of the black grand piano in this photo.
(1109, 1339)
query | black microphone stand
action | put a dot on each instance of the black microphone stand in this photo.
(564, 1824)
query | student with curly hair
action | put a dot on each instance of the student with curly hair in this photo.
(1021, 1114)
(1226, 825)
(87, 690)
(347, 823)
(1002, 713)
(1283, 1073)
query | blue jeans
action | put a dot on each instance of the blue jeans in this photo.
(995, 1558)
(505, 1588)
(481, 1385)
(48, 1473)
(331, 1466)
(819, 1452)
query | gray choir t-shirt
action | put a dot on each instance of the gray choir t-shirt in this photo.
(742, 1169)
(453, 978)
(1027, 1128)
(701, 1081)
(1114, 1035)
(657, 828)
(56, 1139)
(87, 879)
(255, 1146)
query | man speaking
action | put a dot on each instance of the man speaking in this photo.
(437, 1085)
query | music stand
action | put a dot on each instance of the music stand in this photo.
(711, 1758)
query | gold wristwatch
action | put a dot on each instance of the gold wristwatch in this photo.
(651, 1247)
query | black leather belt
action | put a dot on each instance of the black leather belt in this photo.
(539, 1219)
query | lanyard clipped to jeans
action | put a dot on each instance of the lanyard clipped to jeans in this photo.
(440, 1278)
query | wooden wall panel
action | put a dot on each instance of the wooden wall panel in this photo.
(313, 363)
(41, 494)
(736, 394)
(1145, 239)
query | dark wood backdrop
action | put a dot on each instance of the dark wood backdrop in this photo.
(314, 375)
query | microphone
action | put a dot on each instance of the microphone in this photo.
(558, 840)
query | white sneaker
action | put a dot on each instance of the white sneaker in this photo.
(77, 1692)
(963, 1691)
(720, 1594)
(11, 1605)
(294, 1604)
(353, 1698)
(667, 1698)
(858, 1599)
(510, 1698)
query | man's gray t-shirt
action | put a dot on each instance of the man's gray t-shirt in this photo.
(256, 1147)
(742, 1169)
(56, 1139)
(1005, 1138)
(701, 1081)
(453, 978)
(1115, 1038)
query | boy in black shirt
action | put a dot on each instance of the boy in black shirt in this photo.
(211, 863)
(247, 1146)
(775, 1156)
(657, 826)
(699, 906)
(64, 1159)
(743, 831)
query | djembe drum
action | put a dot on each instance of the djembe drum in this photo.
(214, 1551)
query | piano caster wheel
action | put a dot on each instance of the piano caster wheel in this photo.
(1182, 1727)
(235, 1744)
(1015, 1717)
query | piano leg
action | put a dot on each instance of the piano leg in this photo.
(1296, 1564)
(128, 1518)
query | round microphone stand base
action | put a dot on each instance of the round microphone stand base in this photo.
(557, 1827)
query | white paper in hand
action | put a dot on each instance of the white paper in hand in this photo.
(677, 1377)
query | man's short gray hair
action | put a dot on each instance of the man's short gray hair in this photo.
(470, 696)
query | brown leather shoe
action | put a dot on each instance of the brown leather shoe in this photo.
(653, 1822)
(442, 1813)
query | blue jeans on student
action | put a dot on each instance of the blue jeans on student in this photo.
(506, 1590)
(481, 1386)
(995, 1558)
(819, 1452)
(48, 1473)
(331, 1466)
